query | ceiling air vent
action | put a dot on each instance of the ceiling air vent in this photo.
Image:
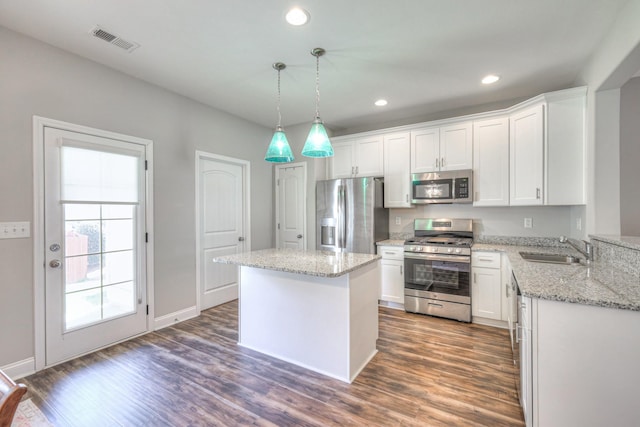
(105, 35)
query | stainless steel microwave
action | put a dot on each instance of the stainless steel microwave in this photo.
(442, 187)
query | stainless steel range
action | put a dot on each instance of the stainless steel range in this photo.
(437, 271)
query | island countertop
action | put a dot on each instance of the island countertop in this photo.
(300, 261)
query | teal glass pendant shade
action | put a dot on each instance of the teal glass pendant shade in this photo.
(279, 150)
(317, 144)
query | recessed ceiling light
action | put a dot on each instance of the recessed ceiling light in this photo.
(381, 102)
(491, 78)
(297, 16)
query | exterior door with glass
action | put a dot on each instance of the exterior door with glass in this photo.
(95, 256)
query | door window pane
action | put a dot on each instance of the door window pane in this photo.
(118, 299)
(100, 262)
(83, 308)
(117, 234)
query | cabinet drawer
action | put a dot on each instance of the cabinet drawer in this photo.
(485, 259)
(391, 252)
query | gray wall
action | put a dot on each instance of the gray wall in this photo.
(548, 221)
(612, 63)
(630, 158)
(37, 79)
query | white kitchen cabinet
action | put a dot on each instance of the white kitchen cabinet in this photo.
(525, 342)
(486, 286)
(491, 162)
(392, 270)
(578, 364)
(442, 148)
(358, 157)
(547, 150)
(526, 145)
(397, 163)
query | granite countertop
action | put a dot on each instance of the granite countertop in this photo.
(629, 242)
(596, 284)
(390, 242)
(299, 261)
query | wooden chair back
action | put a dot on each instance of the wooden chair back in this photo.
(10, 396)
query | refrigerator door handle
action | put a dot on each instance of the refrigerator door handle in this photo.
(342, 218)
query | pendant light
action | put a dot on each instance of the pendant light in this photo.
(279, 150)
(317, 144)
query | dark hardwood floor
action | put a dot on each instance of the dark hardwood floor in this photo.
(428, 372)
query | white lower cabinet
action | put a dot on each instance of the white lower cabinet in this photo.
(392, 268)
(487, 290)
(578, 364)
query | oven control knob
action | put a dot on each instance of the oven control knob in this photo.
(458, 250)
(418, 248)
(449, 250)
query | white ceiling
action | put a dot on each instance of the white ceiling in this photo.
(424, 56)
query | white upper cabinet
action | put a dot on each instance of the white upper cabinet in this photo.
(526, 145)
(425, 150)
(442, 148)
(547, 150)
(456, 147)
(397, 178)
(358, 157)
(491, 162)
(565, 158)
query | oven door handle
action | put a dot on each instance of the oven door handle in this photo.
(430, 257)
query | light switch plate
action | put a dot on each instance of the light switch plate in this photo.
(15, 230)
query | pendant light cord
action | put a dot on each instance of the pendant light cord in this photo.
(317, 86)
(278, 107)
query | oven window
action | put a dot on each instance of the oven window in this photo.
(437, 276)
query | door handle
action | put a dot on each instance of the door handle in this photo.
(299, 236)
(240, 239)
(55, 263)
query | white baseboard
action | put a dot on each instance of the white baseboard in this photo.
(391, 304)
(175, 317)
(20, 369)
(490, 322)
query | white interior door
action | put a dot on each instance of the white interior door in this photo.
(95, 255)
(223, 215)
(291, 206)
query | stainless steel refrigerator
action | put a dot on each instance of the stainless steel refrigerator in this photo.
(350, 215)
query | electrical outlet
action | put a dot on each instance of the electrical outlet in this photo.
(528, 223)
(398, 220)
(14, 230)
(578, 224)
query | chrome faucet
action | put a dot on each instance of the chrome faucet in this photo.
(587, 251)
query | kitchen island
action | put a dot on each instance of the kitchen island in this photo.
(315, 309)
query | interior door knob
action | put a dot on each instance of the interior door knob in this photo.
(241, 239)
(54, 263)
(299, 236)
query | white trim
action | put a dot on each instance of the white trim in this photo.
(545, 97)
(20, 369)
(39, 124)
(176, 317)
(304, 197)
(246, 226)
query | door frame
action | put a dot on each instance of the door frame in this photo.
(39, 125)
(246, 220)
(304, 196)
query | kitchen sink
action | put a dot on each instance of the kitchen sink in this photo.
(550, 258)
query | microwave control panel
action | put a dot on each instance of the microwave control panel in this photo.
(461, 188)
